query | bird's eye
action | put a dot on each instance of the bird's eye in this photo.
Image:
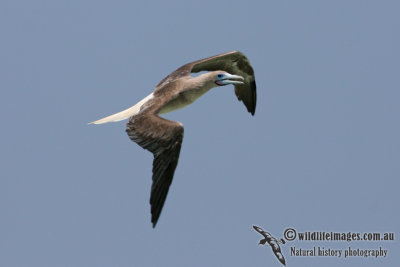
(220, 75)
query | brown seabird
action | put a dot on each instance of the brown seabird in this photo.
(163, 137)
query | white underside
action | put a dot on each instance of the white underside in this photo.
(125, 114)
(183, 99)
(179, 101)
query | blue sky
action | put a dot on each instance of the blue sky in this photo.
(321, 153)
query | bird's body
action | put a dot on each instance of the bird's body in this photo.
(164, 137)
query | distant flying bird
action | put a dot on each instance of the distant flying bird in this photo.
(164, 137)
(273, 242)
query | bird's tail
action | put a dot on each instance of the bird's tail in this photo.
(117, 116)
(125, 114)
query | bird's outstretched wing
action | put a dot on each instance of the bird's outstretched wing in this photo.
(164, 139)
(236, 63)
(261, 231)
(233, 62)
(278, 253)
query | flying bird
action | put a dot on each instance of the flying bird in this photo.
(164, 137)
(273, 242)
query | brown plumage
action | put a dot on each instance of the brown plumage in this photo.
(233, 62)
(164, 137)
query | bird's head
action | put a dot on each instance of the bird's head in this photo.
(223, 78)
(262, 241)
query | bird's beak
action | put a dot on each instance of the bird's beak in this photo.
(230, 79)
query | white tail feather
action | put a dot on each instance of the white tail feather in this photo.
(125, 114)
